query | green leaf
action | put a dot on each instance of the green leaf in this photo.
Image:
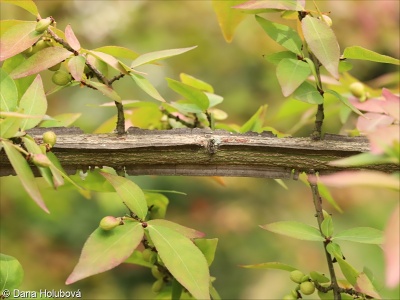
(11, 273)
(228, 18)
(9, 127)
(327, 226)
(322, 42)
(365, 235)
(61, 120)
(157, 55)
(18, 38)
(157, 204)
(270, 265)
(146, 86)
(214, 294)
(105, 250)
(357, 52)
(361, 159)
(109, 60)
(295, 230)
(313, 71)
(71, 38)
(8, 92)
(214, 99)
(196, 83)
(320, 278)
(137, 259)
(131, 195)
(348, 270)
(276, 58)
(76, 66)
(208, 247)
(266, 5)
(28, 5)
(185, 231)
(306, 92)
(323, 190)
(24, 173)
(183, 260)
(191, 94)
(345, 101)
(118, 52)
(40, 61)
(282, 34)
(176, 290)
(59, 173)
(34, 103)
(256, 122)
(7, 24)
(105, 90)
(291, 74)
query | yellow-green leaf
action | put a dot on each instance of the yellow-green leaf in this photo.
(357, 52)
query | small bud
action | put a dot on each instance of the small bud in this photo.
(43, 24)
(109, 222)
(61, 78)
(49, 137)
(40, 160)
(296, 276)
(157, 286)
(358, 90)
(156, 273)
(146, 254)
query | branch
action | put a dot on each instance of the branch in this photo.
(199, 152)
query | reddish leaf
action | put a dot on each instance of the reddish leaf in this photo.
(373, 121)
(272, 4)
(105, 90)
(105, 250)
(71, 38)
(383, 138)
(391, 248)
(25, 175)
(109, 60)
(17, 39)
(40, 61)
(392, 104)
(371, 105)
(365, 286)
(76, 65)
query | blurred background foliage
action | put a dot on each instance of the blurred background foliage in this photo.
(48, 246)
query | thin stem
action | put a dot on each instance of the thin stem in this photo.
(320, 218)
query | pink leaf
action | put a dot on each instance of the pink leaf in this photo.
(71, 38)
(383, 138)
(371, 105)
(373, 121)
(365, 286)
(76, 65)
(392, 104)
(391, 248)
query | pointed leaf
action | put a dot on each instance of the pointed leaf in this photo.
(130, 193)
(28, 5)
(357, 52)
(182, 259)
(296, 5)
(157, 55)
(191, 94)
(306, 92)
(25, 175)
(345, 101)
(256, 121)
(109, 60)
(295, 230)
(228, 17)
(8, 92)
(118, 52)
(327, 226)
(9, 127)
(146, 86)
(11, 273)
(328, 197)
(196, 83)
(34, 103)
(62, 120)
(105, 250)
(185, 231)
(348, 270)
(105, 90)
(17, 39)
(208, 248)
(365, 235)
(71, 38)
(322, 42)
(270, 265)
(291, 74)
(40, 61)
(137, 259)
(277, 57)
(282, 34)
(76, 66)
(365, 286)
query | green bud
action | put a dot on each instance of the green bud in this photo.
(156, 273)
(61, 77)
(157, 286)
(307, 288)
(41, 160)
(358, 90)
(43, 24)
(147, 254)
(296, 276)
(49, 137)
(109, 222)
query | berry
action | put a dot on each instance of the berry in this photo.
(61, 77)
(157, 286)
(43, 24)
(307, 288)
(49, 137)
(296, 276)
(156, 273)
(358, 90)
(147, 254)
(109, 222)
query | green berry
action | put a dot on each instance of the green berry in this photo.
(289, 297)
(147, 254)
(296, 276)
(61, 77)
(157, 286)
(39, 45)
(307, 288)
(41, 160)
(109, 222)
(358, 90)
(156, 273)
(43, 24)
(49, 137)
